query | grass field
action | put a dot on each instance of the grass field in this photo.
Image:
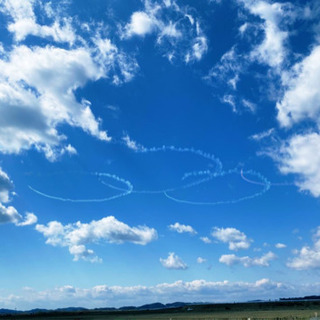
(271, 310)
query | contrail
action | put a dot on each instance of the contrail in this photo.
(112, 176)
(201, 177)
(261, 183)
(266, 185)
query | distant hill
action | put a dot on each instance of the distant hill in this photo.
(301, 298)
(155, 306)
(182, 306)
(8, 311)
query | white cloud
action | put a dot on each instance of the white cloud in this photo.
(199, 49)
(24, 23)
(182, 228)
(307, 257)
(301, 155)
(38, 85)
(10, 214)
(6, 185)
(178, 32)
(263, 261)
(280, 245)
(205, 240)
(113, 62)
(77, 235)
(235, 238)
(230, 99)
(131, 144)
(201, 260)
(140, 24)
(228, 69)
(249, 105)
(29, 219)
(196, 290)
(301, 99)
(173, 262)
(272, 50)
(262, 135)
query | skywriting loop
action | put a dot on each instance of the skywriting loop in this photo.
(126, 187)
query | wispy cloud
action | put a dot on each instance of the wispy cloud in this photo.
(262, 135)
(176, 28)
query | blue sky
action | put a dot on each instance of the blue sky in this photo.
(158, 151)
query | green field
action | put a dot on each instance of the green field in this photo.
(244, 311)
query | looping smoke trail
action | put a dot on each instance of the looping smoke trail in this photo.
(164, 148)
(99, 174)
(204, 176)
(265, 183)
(198, 152)
(261, 183)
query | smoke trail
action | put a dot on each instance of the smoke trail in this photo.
(99, 174)
(196, 152)
(164, 148)
(261, 183)
(265, 183)
(202, 176)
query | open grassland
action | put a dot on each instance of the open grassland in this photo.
(271, 310)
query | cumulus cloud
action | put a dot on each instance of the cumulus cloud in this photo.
(235, 238)
(182, 228)
(9, 214)
(301, 155)
(6, 185)
(140, 24)
(205, 240)
(38, 83)
(201, 260)
(196, 290)
(301, 99)
(29, 219)
(173, 262)
(307, 257)
(263, 261)
(177, 29)
(77, 235)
